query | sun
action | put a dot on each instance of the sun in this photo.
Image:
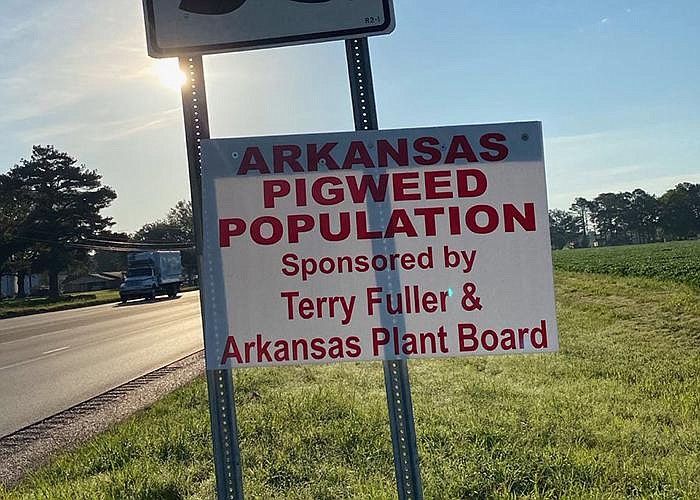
(169, 73)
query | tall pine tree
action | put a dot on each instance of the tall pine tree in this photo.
(63, 204)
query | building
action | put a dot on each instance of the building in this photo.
(9, 286)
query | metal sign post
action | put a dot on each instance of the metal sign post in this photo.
(227, 458)
(398, 387)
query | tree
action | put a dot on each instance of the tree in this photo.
(644, 215)
(582, 207)
(13, 212)
(563, 228)
(63, 201)
(16, 251)
(109, 260)
(680, 211)
(176, 227)
(610, 214)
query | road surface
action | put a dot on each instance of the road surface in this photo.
(52, 361)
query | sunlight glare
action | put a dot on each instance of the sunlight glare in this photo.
(169, 73)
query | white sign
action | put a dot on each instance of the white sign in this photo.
(376, 245)
(187, 27)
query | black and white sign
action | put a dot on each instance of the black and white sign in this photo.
(187, 27)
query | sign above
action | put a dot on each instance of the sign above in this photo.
(297, 266)
(191, 27)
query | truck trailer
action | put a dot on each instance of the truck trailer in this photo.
(150, 274)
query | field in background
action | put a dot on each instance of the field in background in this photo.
(613, 415)
(675, 261)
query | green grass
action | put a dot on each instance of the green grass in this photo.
(615, 414)
(676, 261)
(34, 305)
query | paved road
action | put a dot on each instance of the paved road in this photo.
(51, 361)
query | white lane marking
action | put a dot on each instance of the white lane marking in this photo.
(56, 350)
(31, 360)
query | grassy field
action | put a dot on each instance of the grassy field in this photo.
(615, 414)
(676, 261)
(33, 305)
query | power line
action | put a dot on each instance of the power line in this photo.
(132, 248)
(115, 246)
(178, 244)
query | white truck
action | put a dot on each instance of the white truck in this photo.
(150, 274)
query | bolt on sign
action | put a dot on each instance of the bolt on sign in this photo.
(182, 27)
(292, 257)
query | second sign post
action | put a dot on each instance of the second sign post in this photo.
(398, 387)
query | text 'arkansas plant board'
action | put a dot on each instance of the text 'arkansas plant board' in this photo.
(186, 27)
(374, 245)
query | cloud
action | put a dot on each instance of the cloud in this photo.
(123, 128)
(590, 163)
(576, 139)
(37, 79)
(47, 134)
(21, 19)
(97, 130)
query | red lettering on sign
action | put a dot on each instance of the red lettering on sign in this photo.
(357, 155)
(343, 231)
(331, 196)
(471, 339)
(400, 222)
(460, 149)
(432, 184)
(526, 220)
(386, 150)
(472, 216)
(275, 225)
(287, 154)
(463, 188)
(402, 181)
(376, 187)
(430, 154)
(492, 142)
(429, 215)
(229, 228)
(321, 157)
(253, 159)
(274, 188)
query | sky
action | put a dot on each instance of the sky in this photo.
(616, 84)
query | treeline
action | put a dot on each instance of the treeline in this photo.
(50, 221)
(628, 218)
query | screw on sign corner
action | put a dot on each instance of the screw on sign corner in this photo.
(219, 7)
